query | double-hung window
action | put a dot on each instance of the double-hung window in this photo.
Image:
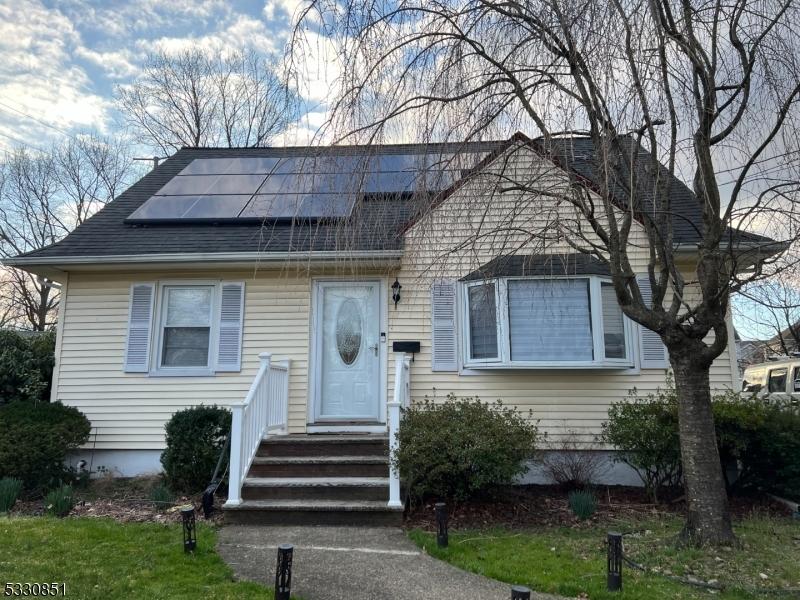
(185, 328)
(562, 322)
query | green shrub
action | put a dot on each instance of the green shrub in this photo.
(460, 448)
(162, 497)
(60, 501)
(34, 441)
(26, 366)
(645, 431)
(10, 488)
(768, 447)
(583, 504)
(195, 438)
(761, 439)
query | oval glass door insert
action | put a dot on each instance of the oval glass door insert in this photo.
(348, 331)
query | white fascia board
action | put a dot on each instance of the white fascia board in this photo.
(206, 257)
(55, 267)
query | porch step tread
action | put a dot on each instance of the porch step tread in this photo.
(316, 482)
(311, 438)
(311, 460)
(315, 506)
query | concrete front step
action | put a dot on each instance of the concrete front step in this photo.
(319, 466)
(314, 512)
(325, 445)
(316, 488)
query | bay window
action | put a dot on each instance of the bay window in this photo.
(562, 322)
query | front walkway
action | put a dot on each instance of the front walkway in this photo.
(352, 563)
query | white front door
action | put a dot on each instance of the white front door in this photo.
(348, 351)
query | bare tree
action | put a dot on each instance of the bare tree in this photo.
(703, 91)
(197, 98)
(43, 197)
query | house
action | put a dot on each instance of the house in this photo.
(782, 344)
(292, 283)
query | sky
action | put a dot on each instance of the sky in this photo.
(62, 59)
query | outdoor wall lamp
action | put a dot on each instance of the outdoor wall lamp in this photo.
(396, 287)
(189, 529)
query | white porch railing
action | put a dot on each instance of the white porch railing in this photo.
(265, 410)
(402, 397)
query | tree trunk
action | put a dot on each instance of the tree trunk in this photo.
(708, 520)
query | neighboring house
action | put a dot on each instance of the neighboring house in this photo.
(783, 344)
(173, 290)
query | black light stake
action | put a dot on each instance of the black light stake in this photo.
(614, 561)
(519, 592)
(441, 524)
(396, 287)
(283, 572)
(189, 529)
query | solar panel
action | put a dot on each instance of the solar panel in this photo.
(163, 207)
(314, 186)
(217, 207)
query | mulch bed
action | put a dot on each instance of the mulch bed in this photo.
(546, 506)
(125, 500)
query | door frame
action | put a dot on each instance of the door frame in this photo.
(315, 362)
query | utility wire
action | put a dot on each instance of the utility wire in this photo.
(24, 114)
(19, 141)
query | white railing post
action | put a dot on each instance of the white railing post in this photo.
(235, 467)
(285, 405)
(266, 359)
(401, 376)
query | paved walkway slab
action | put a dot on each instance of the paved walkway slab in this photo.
(352, 563)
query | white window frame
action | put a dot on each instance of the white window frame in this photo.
(498, 324)
(156, 369)
(503, 361)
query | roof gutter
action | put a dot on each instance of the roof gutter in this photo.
(56, 267)
(208, 257)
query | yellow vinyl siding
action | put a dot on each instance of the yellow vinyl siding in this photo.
(129, 410)
(562, 399)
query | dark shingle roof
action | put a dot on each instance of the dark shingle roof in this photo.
(377, 223)
(518, 265)
(578, 153)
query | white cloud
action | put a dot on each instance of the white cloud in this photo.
(288, 8)
(240, 32)
(317, 68)
(117, 64)
(125, 17)
(37, 76)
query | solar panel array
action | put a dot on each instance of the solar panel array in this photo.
(289, 187)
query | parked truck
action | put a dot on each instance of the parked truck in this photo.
(775, 380)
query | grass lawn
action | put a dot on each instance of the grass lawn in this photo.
(100, 558)
(571, 561)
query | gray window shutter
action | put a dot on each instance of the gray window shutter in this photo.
(652, 351)
(444, 346)
(140, 319)
(231, 317)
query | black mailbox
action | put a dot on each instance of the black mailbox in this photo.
(410, 347)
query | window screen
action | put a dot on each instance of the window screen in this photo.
(613, 324)
(482, 321)
(186, 327)
(550, 320)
